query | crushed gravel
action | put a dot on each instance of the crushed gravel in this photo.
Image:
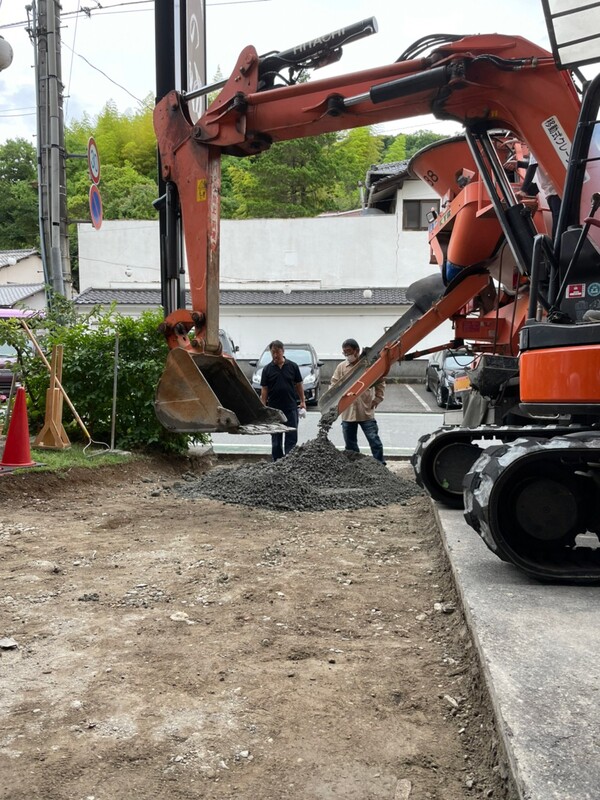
(315, 476)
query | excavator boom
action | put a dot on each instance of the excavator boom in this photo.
(478, 81)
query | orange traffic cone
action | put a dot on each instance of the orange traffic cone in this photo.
(17, 452)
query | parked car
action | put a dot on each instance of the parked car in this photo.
(229, 348)
(442, 369)
(8, 359)
(310, 368)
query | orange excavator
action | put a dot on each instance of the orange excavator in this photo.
(501, 275)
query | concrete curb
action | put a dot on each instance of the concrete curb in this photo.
(537, 644)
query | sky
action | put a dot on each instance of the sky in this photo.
(109, 55)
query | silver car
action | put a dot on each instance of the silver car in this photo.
(306, 357)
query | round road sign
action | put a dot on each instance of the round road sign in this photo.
(95, 206)
(93, 160)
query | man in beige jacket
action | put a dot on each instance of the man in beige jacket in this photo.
(362, 410)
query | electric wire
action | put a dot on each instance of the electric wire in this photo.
(72, 61)
(116, 83)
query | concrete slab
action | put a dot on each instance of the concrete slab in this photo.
(538, 645)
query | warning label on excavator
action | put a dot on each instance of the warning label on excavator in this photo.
(201, 190)
(559, 139)
(575, 291)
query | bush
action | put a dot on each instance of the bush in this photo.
(88, 374)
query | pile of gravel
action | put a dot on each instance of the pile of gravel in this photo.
(315, 476)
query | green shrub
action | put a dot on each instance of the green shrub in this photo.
(88, 374)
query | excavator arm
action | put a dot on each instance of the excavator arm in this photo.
(483, 82)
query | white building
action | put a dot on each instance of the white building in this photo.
(21, 279)
(319, 280)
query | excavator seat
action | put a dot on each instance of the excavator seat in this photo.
(203, 393)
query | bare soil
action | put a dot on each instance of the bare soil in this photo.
(173, 648)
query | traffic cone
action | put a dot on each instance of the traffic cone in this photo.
(17, 452)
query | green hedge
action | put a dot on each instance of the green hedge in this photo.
(88, 374)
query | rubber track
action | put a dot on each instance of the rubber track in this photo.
(489, 500)
(431, 445)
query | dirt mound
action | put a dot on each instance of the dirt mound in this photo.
(315, 476)
(34, 483)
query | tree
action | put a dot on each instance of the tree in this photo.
(19, 199)
(291, 179)
(416, 141)
(125, 194)
(17, 161)
(354, 153)
(121, 138)
(395, 150)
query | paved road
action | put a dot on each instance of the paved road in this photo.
(407, 412)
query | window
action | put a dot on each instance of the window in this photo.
(414, 214)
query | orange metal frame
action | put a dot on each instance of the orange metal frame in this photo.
(244, 121)
(560, 375)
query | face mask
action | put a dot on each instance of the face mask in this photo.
(351, 359)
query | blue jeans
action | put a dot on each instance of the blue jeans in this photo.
(282, 443)
(370, 430)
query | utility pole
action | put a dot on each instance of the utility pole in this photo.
(45, 34)
(180, 46)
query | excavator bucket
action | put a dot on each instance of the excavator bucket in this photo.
(202, 393)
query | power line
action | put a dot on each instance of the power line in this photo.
(21, 108)
(7, 116)
(107, 10)
(84, 10)
(116, 83)
(72, 60)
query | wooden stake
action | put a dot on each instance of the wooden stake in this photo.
(53, 435)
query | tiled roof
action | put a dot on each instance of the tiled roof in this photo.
(8, 257)
(255, 297)
(314, 297)
(10, 295)
(391, 169)
(136, 297)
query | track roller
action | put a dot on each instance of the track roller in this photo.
(441, 461)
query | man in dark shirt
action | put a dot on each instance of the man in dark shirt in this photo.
(281, 387)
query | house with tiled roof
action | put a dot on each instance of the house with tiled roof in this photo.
(22, 279)
(318, 280)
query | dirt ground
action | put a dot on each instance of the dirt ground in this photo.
(170, 648)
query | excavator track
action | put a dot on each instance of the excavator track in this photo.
(442, 458)
(536, 504)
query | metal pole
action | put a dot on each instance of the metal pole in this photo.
(39, 36)
(114, 399)
(164, 25)
(53, 16)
